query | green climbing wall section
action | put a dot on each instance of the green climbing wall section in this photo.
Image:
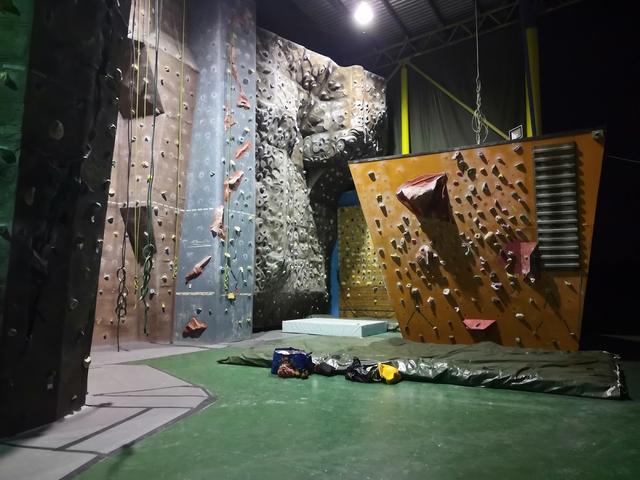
(15, 33)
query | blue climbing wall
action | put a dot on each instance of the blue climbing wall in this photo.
(222, 38)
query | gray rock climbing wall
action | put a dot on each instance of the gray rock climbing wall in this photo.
(312, 117)
(222, 37)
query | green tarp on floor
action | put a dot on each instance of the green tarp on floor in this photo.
(587, 374)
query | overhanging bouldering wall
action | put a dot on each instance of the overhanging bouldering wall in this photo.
(363, 292)
(312, 117)
(489, 242)
(214, 293)
(62, 188)
(176, 79)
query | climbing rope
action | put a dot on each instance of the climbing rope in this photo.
(228, 160)
(174, 272)
(121, 273)
(478, 121)
(149, 249)
(136, 220)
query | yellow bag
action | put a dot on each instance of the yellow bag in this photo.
(388, 373)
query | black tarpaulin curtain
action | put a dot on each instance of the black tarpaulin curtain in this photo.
(436, 122)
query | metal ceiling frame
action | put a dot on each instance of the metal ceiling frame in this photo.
(452, 33)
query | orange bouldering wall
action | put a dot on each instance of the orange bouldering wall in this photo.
(504, 199)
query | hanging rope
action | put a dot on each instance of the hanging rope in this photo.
(136, 213)
(478, 121)
(121, 273)
(174, 272)
(149, 249)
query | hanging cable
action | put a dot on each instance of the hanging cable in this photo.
(478, 121)
(121, 273)
(149, 249)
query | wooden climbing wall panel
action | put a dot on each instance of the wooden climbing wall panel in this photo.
(362, 289)
(171, 158)
(492, 195)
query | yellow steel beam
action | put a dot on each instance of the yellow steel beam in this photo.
(404, 109)
(532, 83)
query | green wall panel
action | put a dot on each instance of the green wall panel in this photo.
(15, 33)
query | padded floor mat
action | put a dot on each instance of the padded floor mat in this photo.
(592, 374)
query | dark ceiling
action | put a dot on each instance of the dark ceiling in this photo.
(400, 28)
(326, 26)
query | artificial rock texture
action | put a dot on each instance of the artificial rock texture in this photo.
(312, 117)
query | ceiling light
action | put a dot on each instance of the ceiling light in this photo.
(363, 14)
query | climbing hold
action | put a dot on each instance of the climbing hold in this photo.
(56, 130)
(197, 270)
(372, 175)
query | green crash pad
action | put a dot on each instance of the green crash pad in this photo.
(592, 374)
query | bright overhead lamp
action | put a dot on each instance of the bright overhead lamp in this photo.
(363, 14)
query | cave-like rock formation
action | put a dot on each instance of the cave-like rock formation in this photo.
(312, 117)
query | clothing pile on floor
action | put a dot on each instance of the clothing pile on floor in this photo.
(291, 362)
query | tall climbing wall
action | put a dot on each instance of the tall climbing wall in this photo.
(363, 292)
(489, 242)
(312, 117)
(62, 191)
(214, 293)
(15, 34)
(176, 79)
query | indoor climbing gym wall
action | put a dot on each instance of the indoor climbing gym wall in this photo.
(147, 190)
(61, 195)
(363, 292)
(489, 242)
(214, 293)
(15, 34)
(312, 117)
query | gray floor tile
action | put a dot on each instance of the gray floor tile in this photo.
(143, 401)
(129, 431)
(169, 392)
(134, 351)
(19, 463)
(74, 427)
(127, 378)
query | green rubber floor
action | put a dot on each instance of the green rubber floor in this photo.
(264, 427)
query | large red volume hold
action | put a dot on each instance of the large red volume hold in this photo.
(426, 196)
(194, 328)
